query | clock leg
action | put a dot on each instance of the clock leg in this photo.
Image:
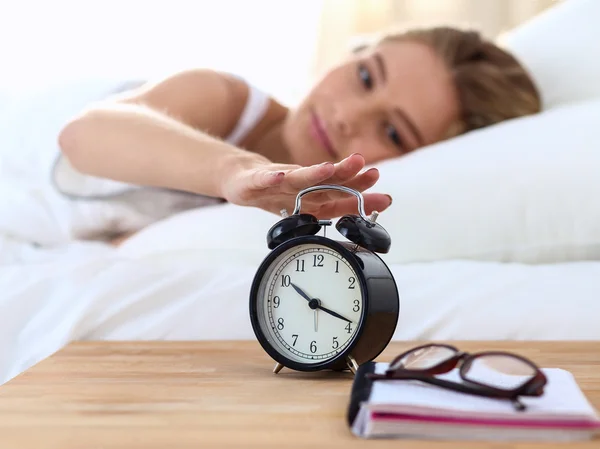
(352, 364)
(277, 368)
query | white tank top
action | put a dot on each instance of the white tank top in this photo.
(129, 207)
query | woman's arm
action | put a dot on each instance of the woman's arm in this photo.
(159, 135)
(162, 135)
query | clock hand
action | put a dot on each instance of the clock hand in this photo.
(332, 313)
(319, 306)
(308, 298)
(300, 292)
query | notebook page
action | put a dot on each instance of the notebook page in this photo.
(562, 399)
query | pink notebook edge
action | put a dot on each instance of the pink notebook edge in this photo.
(527, 423)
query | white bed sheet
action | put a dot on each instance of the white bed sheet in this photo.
(89, 291)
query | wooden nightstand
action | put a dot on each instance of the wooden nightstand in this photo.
(214, 394)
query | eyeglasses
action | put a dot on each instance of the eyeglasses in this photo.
(493, 374)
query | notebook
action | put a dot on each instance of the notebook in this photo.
(412, 409)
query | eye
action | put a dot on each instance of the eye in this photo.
(365, 76)
(393, 135)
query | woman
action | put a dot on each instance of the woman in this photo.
(212, 134)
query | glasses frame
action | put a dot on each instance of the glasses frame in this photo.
(533, 387)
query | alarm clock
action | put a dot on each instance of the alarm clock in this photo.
(321, 304)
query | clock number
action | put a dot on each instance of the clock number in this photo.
(299, 265)
(276, 301)
(313, 346)
(285, 281)
(319, 258)
(337, 266)
(348, 327)
(356, 307)
(352, 281)
(335, 344)
(295, 337)
(280, 324)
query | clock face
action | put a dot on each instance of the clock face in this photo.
(310, 303)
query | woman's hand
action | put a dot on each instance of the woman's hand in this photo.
(274, 187)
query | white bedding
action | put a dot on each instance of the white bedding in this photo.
(89, 291)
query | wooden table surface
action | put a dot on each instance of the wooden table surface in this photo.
(213, 395)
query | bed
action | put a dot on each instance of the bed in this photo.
(495, 234)
(88, 290)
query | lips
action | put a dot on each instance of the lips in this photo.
(319, 133)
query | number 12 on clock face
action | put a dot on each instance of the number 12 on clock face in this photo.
(317, 262)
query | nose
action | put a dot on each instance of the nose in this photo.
(346, 117)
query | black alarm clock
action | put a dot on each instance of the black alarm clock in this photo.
(318, 303)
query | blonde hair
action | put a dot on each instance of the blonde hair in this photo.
(492, 85)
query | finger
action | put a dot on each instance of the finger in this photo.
(304, 177)
(372, 202)
(376, 202)
(364, 180)
(299, 179)
(347, 168)
(263, 179)
(360, 183)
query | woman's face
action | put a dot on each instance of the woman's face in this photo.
(382, 103)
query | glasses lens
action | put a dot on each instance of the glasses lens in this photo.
(499, 371)
(424, 358)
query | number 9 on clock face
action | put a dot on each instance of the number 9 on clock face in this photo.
(307, 304)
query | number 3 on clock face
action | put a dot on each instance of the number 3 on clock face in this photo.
(309, 304)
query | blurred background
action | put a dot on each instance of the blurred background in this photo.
(279, 45)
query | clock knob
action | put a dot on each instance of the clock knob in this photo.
(290, 227)
(365, 233)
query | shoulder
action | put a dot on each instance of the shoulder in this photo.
(208, 100)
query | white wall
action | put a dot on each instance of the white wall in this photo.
(269, 41)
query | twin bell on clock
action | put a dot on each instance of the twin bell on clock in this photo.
(318, 303)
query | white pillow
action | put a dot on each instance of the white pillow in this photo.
(526, 190)
(223, 232)
(561, 47)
